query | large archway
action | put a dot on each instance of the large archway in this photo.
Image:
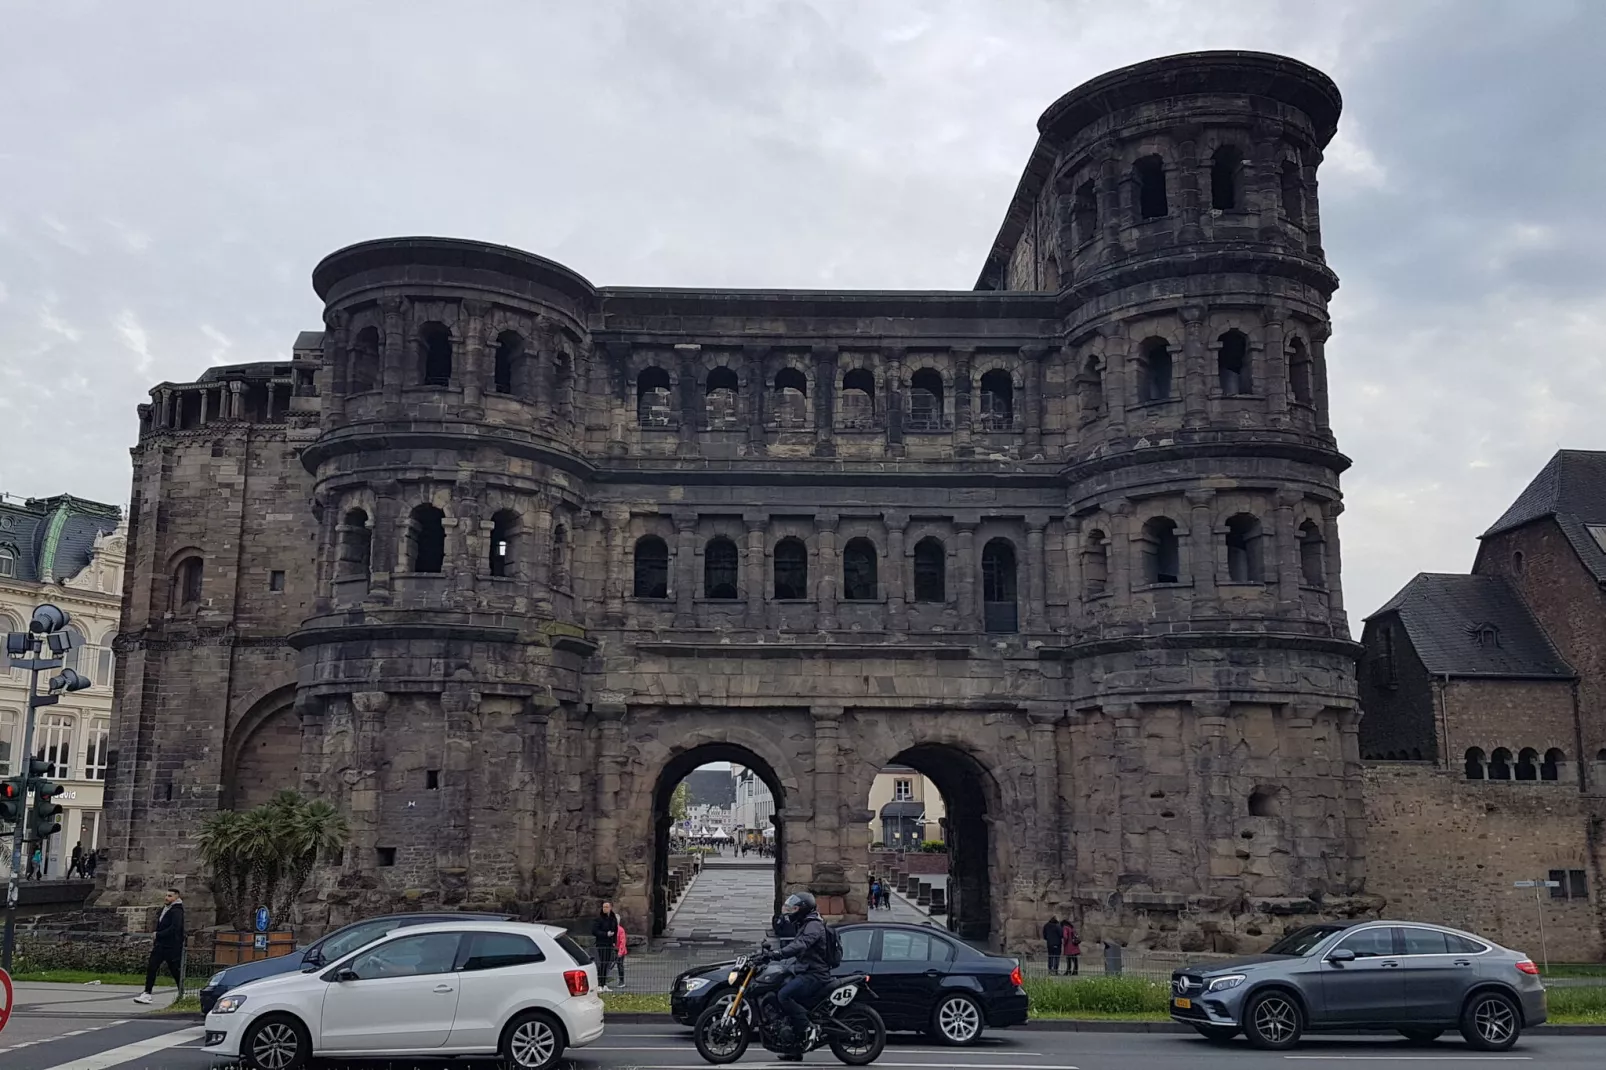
(677, 769)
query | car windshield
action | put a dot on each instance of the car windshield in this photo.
(1303, 941)
(339, 944)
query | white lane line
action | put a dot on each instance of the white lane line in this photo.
(1415, 1058)
(137, 1050)
(58, 1036)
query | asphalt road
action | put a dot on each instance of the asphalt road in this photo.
(169, 1045)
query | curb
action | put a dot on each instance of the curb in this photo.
(1090, 1025)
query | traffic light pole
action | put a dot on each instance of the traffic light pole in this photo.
(13, 887)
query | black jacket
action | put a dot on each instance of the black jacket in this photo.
(1053, 933)
(170, 928)
(605, 930)
(808, 948)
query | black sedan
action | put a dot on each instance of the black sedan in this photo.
(924, 980)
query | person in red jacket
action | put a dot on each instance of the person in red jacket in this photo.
(1071, 944)
(622, 948)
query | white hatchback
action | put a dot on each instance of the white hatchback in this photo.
(524, 992)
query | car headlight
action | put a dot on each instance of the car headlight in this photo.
(1221, 984)
(692, 984)
(228, 1005)
(215, 980)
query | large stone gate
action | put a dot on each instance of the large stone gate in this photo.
(498, 555)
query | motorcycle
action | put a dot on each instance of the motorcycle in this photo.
(840, 1018)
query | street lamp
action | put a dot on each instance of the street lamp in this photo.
(1539, 908)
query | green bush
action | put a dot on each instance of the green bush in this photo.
(1577, 1002)
(934, 847)
(1099, 995)
(36, 955)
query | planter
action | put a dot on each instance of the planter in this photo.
(232, 948)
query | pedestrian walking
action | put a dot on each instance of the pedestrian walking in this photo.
(886, 897)
(76, 863)
(875, 894)
(1054, 937)
(168, 947)
(605, 934)
(36, 865)
(1071, 944)
(622, 948)
(92, 863)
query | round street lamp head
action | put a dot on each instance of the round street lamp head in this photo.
(48, 618)
(69, 680)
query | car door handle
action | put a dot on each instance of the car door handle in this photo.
(933, 973)
(444, 988)
(1463, 962)
(1389, 965)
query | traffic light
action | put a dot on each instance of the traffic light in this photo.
(42, 824)
(13, 800)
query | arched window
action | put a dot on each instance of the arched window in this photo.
(365, 361)
(559, 562)
(791, 398)
(1226, 179)
(187, 582)
(1299, 371)
(1550, 768)
(858, 399)
(925, 400)
(652, 398)
(652, 567)
(719, 569)
(1312, 555)
(1085, 216)
(426, 539)
(355, 547)
(1154, 366)
(1293, 186)
(1232, 363)
(998, 586)
(1244, 556)
(435, 354)
(791, 569)
(106, 660)
(1474, 764)
(1161, 555)
(931, 571)
(859, 571)
(80, 657)
(720, 398)
(509, 350)
(505, 541)
(1095, 562)
(1500, 764)
(1090, 387)
(1051, 273)
(1527, 764)
(1150, 174)
(997, 401)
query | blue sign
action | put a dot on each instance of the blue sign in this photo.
(262, 919)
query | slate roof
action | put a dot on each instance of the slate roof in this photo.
(1572, 489)
(54, 537)
(1442, 612)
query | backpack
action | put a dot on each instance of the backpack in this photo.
(833, 948)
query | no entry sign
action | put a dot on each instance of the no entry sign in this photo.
(5, 998)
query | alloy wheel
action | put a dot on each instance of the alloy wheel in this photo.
(532, 1043)
(722, 1034)
(1494, 1021)
(1276, 1019)
(959, 1020)
(861, 1036)
(275, 1045)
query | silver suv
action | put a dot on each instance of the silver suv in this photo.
(1386, 975)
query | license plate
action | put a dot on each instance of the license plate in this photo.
(1182, 1004)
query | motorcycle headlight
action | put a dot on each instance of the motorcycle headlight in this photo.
(731, 979)
(215, 980)
(692, 984)
(1221, 984)
(228, 1005)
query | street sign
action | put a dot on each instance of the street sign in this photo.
(5, 998)
(262, 919)
(259, 942)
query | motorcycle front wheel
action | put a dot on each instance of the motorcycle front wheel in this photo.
(719, 1038)
(859, 1036)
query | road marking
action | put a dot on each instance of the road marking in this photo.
(137, 1050)
(1418, 1058)
(58, 1036)
(944, 1052)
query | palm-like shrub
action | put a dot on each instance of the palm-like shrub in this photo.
(265, 856)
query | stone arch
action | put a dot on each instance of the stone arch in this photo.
(262, 753)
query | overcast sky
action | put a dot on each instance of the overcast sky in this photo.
(170, 172)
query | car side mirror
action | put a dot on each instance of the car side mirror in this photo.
(310, 967)
(346, 975)
(1342, 954)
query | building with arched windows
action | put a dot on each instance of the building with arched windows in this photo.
(69, 552)
(499, 555)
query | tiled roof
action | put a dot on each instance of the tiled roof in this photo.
(54, 537)
(1572, 489)
(1449, 619)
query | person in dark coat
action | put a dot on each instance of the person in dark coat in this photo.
(1053, 936)
(605, 932)
(811, 969)
(168, 947)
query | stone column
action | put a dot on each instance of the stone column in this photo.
(236, 402)
(756, 389)
(1112, 213)
(1196, 368)
(1271, 369)
(685, 569)
(368, 710)
(1122, 567)
(605, 823)
(1032, 364)
(1313, 219)
(1193, 200)
(966, 579)
(894, 400)
(478, 338)
(692, 407)
(827, 802)
(164, 407)
(1285, 547)
(1036, 598)
(1117, 390)
(622, 399)
(1349, 731)
(826, 582)
(897, 570)
(1076, 591)
(1202, 547)
(1213, 764)
(756, 523)
(459, 710)
(963, 357)
(206, 408)
(615, 522)
(394, 365)
(541, 557)
(337, 359)
(825, 361)
(1319, 334)
(384, 549)
(1041, 718)
(1330, 560)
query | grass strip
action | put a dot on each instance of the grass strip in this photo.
(81, 977)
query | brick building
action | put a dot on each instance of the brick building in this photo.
(499, 556)
(1485, 728)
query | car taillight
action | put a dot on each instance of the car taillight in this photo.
(1015, 977)
(579, 984)
(1527, 966)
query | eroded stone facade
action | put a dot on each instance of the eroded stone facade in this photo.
(499, 555)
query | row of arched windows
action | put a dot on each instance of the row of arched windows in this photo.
(435, 361)
(423, 547)
(1244, 541)
(1528, 765)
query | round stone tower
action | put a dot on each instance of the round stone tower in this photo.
(1208, 648)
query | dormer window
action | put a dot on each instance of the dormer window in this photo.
(1485, 635)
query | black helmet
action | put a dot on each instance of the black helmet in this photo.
(799, 903)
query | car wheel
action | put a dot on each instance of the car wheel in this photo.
(276, 1043)
(1420, 1034)
(532, 1041)
(1216, 1034)
(957, 1020)
(1273, 1020)
(1490, 1021)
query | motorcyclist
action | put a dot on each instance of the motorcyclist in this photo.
(811, 971)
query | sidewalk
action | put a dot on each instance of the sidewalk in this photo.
(41, 998)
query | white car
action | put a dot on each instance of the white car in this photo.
(524, 992)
